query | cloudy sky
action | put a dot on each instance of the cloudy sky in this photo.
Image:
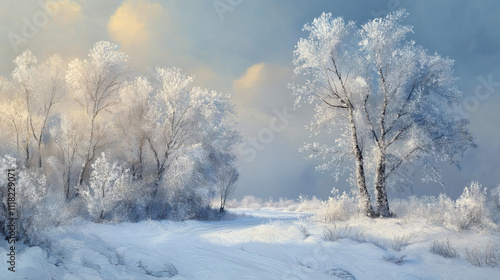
(244, 47)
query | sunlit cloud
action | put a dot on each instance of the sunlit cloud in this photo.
(68, 13)
(130, 24)
(259, 92)
(251, 78)
(254, 85)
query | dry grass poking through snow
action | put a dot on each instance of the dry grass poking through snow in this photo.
(444, 249)
(401, 241)
(486, 255)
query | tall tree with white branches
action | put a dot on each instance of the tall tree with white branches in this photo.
(187, 125)
(25, 75)
(391, 101)
(95, 83)
(43, 86)
(134, 123)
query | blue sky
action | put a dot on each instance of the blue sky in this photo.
(245, 47)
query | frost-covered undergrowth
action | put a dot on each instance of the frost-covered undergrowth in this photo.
(258, 244)
(477, 208)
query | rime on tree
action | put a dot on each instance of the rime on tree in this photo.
(387, 102)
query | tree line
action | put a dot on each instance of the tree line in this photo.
(112, 144)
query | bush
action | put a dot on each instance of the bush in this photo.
(470, 209)
(338, 208)
(6, 162)
(432, 209)
(186, 194)
(252, 202)
(110, 186)
(305, 204)
(35, 209)
(32, 204)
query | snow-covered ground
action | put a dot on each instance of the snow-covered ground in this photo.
(255, 244)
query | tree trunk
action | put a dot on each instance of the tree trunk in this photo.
(27, 145)
(87, 156)
(40, 154)
(68, 181)
(380, 189)
(39, 139)
(364, 195)
(84, 169)
(139, 168)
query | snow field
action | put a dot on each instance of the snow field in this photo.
(255, 244)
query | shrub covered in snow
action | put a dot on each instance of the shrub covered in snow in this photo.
(110, 185)
(35, 209)
(472, 210)
(6, 162)
(476, 208)
(338, 207)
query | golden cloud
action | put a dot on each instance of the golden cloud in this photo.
(257, 80)
(261, 86)
(69, 12)
(251, 78)
(129, 25)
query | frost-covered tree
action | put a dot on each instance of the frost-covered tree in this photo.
(13, 118)
(389, 98)
(25, 74)
(174, 111)
(95, 83)
(169, 135)
(69, 138)
(226, 175)
(183, 117)
(42, 86)
(134, 122)
(51, 88)
(187, 121)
